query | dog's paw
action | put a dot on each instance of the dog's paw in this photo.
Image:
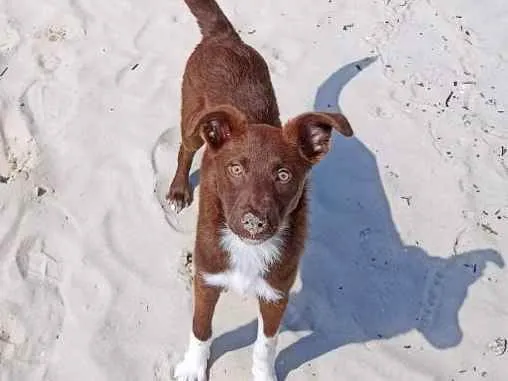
(263, 359)
(193, 366)
(191, 370)
(263, 373)
(179, 196)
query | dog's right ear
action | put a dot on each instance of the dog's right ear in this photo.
(219, 124)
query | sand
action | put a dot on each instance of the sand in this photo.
(403, 277)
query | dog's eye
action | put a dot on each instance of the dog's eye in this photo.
(283, 175)
(235, 170)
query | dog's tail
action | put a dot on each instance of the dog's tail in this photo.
(211, 20)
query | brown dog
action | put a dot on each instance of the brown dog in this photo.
(253, 208)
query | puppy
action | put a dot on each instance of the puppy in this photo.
(253, 200)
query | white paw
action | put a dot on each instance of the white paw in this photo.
(189, 370)
(193, 366)
(262, 372)
(263, 359)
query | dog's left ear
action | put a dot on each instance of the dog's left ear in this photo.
(311, 133)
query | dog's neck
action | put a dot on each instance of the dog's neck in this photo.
(246, 255)
(248, 265)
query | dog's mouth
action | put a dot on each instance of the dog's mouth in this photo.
(276, 236)
(254, 242)
(254, 239)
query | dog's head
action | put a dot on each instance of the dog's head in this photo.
(261, 170)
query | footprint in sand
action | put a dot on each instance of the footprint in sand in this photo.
(56, 33)
(62, 27)
(18, 148)
(52, 100)
(30, 330)
(9, 37)
(34, 263)
(12, 333)
(32, 310)
(48, 62)
(49, 101)
(45, 320)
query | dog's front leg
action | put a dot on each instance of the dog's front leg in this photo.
(180, 193)
(193, 366)
(263, 359)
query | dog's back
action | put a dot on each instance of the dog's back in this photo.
(225, 70)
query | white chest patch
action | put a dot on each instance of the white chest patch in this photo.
(248, 264)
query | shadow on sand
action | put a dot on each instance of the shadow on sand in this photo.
(359, 281)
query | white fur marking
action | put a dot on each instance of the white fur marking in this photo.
(194, 363)
(249, 263)
(263, 357)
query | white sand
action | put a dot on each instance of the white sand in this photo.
(402, 279)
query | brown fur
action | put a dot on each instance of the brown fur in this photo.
(228, 102)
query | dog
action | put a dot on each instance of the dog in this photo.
(252, 220)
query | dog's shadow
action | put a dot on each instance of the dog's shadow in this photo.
(359, 281)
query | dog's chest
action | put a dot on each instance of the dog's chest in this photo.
(248, 265)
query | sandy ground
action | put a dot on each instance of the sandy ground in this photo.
(403, 276)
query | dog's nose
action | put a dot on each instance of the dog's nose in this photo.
(253, 224)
